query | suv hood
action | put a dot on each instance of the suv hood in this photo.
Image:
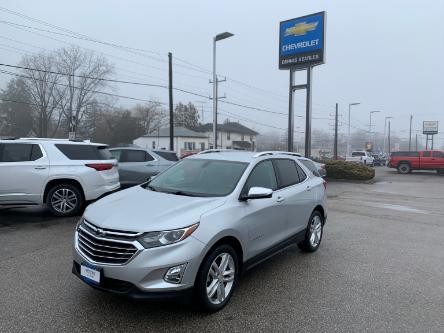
(141, 210)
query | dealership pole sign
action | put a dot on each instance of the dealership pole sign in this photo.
(302, 41)
(301, 47)
(430, 127)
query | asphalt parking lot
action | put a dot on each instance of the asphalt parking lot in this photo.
(379, 269)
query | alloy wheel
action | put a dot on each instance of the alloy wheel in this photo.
(64, 200)
(220, 278)
(315, 231)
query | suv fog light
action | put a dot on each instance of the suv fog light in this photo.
(175, 274)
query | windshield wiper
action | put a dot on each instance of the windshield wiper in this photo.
(151, 188)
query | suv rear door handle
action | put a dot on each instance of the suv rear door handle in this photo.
(280, 199)
(40, 167)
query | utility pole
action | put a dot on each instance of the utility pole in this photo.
(215, 99)
(389, 144)
(335, 147)
(170, 93)
(410, 133)
(416, 142)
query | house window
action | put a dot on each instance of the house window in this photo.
(242, 137)
(189, 146)
(202, 146)
(228, 136)
(154, 145)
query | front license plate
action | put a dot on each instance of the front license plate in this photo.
(90, 273)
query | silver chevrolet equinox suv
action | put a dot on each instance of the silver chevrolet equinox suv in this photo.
(193, 229)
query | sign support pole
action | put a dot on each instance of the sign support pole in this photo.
(290, 113)
(308, 114)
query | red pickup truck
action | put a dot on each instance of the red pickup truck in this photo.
(406, 161)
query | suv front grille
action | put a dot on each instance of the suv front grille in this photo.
(97, 246)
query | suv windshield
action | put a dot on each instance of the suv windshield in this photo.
(200, 178)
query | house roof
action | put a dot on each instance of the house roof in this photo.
(231, 127)
(178, 132)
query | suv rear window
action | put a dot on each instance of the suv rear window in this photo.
(84, 152)
(19, 152)
(168, 155)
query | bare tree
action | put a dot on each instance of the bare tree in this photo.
(84, 73)
(151, 116)
(41, 81)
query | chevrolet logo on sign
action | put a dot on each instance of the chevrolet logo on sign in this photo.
(301, 29)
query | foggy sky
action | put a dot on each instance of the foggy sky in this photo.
(388, 55)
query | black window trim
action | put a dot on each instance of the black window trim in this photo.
(277, 171)
(242, 192)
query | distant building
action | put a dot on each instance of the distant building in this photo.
(186, 141)
(231, 135)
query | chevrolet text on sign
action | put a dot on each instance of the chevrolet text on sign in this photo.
(302, 41)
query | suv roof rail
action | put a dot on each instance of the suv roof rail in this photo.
(215, 151)
(55, 139)
(10, 138)
(274, 152)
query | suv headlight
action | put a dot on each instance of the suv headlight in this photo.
(161, 238)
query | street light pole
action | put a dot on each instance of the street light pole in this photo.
(349, 120)
(216, 38)
(370, 132)
(385, 133)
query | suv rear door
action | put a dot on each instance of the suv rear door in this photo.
(426, 161)
(294, 190)
(438, 159)
(136, 166)
(24, 169)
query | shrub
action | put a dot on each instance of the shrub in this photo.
(348, 170)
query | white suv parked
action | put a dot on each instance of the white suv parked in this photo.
(60, 173)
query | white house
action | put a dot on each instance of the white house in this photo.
(231, 135)
(185, 140)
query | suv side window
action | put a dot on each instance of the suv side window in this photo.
(19, 152)
(263, 175)
(310, 166)
(438, 154)
(426, 154)
(84, 152)
(130, 155)
(287, 172)
(302, 174)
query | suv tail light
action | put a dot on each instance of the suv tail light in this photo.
(100, 166)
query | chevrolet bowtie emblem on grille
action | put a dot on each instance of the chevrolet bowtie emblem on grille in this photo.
(100, 232)
(301, 29)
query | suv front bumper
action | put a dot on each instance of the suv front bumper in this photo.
(143, 275)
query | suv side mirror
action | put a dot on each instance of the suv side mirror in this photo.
(257, 193)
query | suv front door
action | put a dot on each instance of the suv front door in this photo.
(24, 169)
(263, 218)
(295, 189)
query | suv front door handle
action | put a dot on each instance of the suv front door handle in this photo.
(280, 199)
(40, 167)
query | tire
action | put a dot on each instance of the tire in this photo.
(313, 233)
(205, 279)
(64, 200)
(404, 168)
